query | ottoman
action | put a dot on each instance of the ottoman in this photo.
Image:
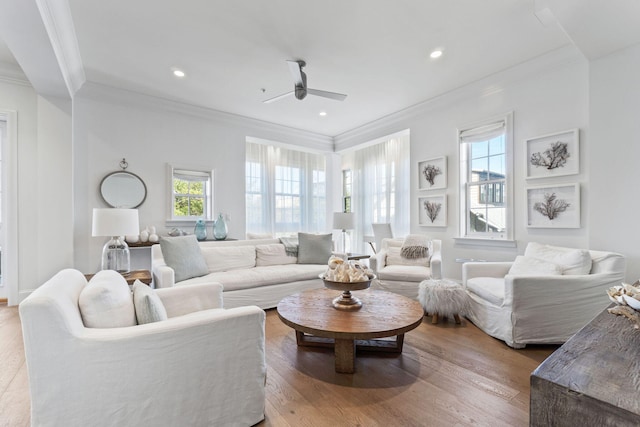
(443, 297)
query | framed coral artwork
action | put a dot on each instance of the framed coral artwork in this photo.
(552, 155)
(554, 206)
(432, 174)
(432, 211)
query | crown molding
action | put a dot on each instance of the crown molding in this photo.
(58, 22)
(254, 127)
(12, 74)
(487, 86)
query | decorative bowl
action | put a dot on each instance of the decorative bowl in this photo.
(346, 301)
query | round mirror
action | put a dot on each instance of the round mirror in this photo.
(123, 190)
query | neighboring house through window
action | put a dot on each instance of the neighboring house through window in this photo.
(485, 177)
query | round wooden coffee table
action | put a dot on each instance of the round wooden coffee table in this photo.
(318, 323)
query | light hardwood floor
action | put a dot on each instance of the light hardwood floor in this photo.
(447, 375)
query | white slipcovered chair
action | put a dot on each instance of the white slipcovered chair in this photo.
(203, 366)
(543, 297)
(403, 276)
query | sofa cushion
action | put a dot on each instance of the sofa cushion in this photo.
(488, 288)
(314, 248)
(106, 301)
(261, 276)
(273, 254)
(147, 303)
(229, 257)
(183, 255)
(404, 273)
(571, 261)
(528, 266)
(395, 258)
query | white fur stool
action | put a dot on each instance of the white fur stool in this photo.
(443, 297)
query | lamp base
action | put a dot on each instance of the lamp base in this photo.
(116, 256)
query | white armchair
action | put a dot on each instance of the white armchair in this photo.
(529, 308)
(403, 276)
(203, 366)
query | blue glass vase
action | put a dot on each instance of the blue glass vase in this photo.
(200, 230)
(220, 228)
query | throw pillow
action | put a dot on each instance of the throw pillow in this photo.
(259, 236)
(229, 258)
(274, 254)
(314, 248)
(528, 266)
(183, 255)
(572, 261)
(149, 307)
(106, 301)
(394, 257)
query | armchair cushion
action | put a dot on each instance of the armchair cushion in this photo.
(106, 301)
(488, 288)
(528, 266)
(404, 273)
(149, 307)
(571, 261)
(183, 255)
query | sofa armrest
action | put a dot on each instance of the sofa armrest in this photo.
(484, 269)
(378, 261)
(163, 275)
(182, 300)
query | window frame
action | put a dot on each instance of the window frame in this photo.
(172, 170)
(465, 235)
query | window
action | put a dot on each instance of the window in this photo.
(346, 190)
(485, 176)
(191, 194)
(380, 175)
(285, 190)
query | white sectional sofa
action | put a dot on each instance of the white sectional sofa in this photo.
(252, 272)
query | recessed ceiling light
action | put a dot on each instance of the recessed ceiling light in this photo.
(323, 113)
(178, 73)
(436, 53)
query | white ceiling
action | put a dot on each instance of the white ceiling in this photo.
(376, 51)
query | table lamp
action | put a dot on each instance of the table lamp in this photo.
(115, 223)
(344, 221)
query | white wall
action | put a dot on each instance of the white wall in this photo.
(614, 115)
(546, 95)
(150, 133)
(43, 219)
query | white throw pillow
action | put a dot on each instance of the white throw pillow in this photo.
(528, 266)
(394, 258)
(106, 301)
(149, 307)
(572, 261)
(273, 254)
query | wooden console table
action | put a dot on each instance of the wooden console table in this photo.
(592, 379)
(143, 275)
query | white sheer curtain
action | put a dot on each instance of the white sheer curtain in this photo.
(381, 187)
(285, 190)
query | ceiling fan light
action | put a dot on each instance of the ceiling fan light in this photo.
(178, 73)
(323, 113)
(437, 53)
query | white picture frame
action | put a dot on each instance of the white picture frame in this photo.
(431, 218)
(432, 174)
(545, 158)
(553, 206)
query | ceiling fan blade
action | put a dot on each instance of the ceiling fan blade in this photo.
(325, 94)
(296, 72)
(277, 98)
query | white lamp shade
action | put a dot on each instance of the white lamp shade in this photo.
(115, 222)
(344, 220)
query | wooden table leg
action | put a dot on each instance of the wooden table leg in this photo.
(345, 354)
(457, 318)
(434, 318)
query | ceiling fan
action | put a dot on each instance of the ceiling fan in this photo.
(300, 85)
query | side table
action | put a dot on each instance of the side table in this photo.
(143, 275)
